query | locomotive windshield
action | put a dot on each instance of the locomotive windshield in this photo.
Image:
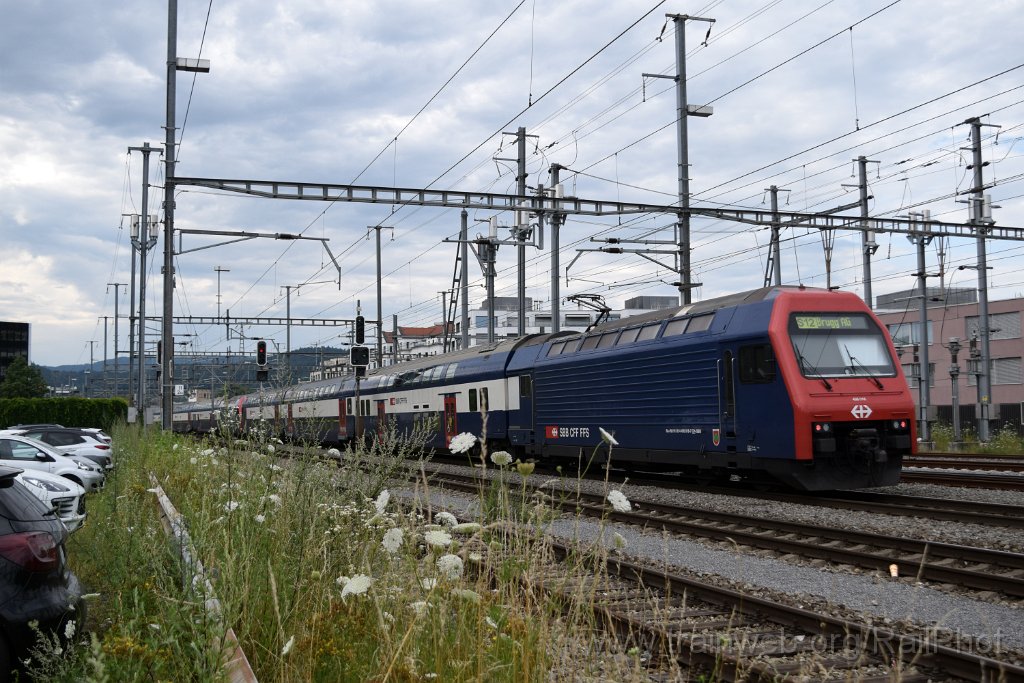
(839, 345)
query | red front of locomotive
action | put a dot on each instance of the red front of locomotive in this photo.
(853, 413)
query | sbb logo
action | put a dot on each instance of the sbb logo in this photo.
(551, 432)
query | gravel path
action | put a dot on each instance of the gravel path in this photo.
(889, 602)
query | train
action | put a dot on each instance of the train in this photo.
(786, 385)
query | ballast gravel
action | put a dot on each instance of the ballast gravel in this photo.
(887, 601)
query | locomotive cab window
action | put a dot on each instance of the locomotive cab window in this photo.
(699, 323)
(607, 339)
(757, 364)
(556, 349)
(839, 345)
(590, 342)
(525, 386)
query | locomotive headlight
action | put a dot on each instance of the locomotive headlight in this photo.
(822, 428)
(899, 424)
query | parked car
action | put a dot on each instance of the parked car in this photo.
(60, 493)
(37, 590)
(72, 441)
(29, 454)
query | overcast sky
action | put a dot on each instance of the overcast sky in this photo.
(418, 94)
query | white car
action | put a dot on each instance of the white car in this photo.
(28, 454)
(63, 495)
(86, 443)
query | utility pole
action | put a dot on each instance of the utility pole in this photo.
(88, 373)
(981, 218)
(520, 233)
(219, 270)
(146, 239)
(773, 271)
(954, 379)
(556, 224)
(170, 152)
(463, 278)
(117, 316)
(922, 238)
(106, 322)
(288, 332)
(682, 112)
(444, 321)
(133, 231)
(868, 245)
(380, 313)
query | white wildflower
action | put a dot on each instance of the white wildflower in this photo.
(232, 505)
(342, 580)
(357, 585)
(475, 557)
(275, 468)
(466, 528)
(501, 458)
(208, 451)
(288, 646)
(441, 539)
(174, 447)
(334, 453)
(419, 607)
(461, 443)
(446, 519)
(260, 519)
(194, 461)
(154, 627)
(382, 501)
(490, 622)
(428, 583)
(392, 540)
(619, 501)
(274, 498)
(450, 566)
(69, 629)
(607, 437)
(270, 448)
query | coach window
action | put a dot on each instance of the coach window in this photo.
(648, 332)
(348, 406)
(525, 386)
(757, 364)
(700, 323)
(451, 371)
(674, 327)
(607, 339)
(472, 400)
(628, 336)
(590, 342)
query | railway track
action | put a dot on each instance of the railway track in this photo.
(965, 463)
(942, 563)
(720, 633)
(977, 480)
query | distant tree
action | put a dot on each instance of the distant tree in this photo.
(23, 381)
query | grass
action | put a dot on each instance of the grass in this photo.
(1002, 441)
(322, 574)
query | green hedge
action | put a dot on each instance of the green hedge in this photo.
(70, 412)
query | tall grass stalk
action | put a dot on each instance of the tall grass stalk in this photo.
(321, 573)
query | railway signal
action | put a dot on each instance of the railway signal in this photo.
(261, 353)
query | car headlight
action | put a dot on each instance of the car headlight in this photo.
(45, 485)
(83, 466)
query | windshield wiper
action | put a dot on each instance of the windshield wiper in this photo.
(871, 376)
(806, 365)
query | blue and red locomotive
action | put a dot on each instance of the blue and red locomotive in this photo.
(786, 384)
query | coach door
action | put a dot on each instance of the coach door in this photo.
(382, 418)
(451, 419)
(342, 420)
(726, 396)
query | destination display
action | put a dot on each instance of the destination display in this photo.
(826, 321)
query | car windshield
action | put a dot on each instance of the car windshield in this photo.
(840, 345)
